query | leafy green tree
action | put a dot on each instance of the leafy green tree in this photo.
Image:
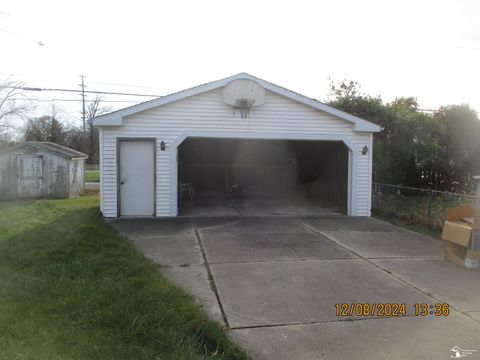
(409, 141)
(460, 143)
(414, 141)
(346, 96)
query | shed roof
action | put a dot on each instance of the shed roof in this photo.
(115, 118)
(49, 147)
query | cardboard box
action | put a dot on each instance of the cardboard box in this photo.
(462, 256)
(459, 224)
(461, 233)
(457, 232)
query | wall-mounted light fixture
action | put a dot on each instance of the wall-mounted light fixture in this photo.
(162, 145)
(365, 150)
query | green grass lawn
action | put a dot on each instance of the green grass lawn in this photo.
(92, 176)
(73, 288)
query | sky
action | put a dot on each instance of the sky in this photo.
(426, 49)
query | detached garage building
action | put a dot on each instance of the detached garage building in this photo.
(236, 137)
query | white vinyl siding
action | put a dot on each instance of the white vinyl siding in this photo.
(279, 116)
(100, 161)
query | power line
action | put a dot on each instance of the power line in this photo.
(137, 101)
(435, 110)
(76, 100)
(28, 88)
(39, 43)
(101, 83)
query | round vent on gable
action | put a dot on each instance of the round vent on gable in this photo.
(243, 95)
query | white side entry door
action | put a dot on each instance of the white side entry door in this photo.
(137, 177)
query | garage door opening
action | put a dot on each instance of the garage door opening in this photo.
(262, 177)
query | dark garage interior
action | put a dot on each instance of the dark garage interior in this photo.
(263, 177)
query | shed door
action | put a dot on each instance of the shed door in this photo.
(29, 176)
(137, 179)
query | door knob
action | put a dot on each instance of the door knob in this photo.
(123, 181)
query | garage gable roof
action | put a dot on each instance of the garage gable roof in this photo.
(115, 118)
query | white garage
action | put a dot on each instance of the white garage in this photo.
(232, 142)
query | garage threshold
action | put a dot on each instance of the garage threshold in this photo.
(240, 206)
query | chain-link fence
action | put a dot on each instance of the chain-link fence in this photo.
(416, 206)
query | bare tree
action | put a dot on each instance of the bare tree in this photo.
(49, 127)
(13, 104)
(94, 108)
(45, 128)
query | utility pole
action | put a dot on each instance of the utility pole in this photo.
(83, 100)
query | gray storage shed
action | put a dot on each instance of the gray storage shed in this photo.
(41, 170)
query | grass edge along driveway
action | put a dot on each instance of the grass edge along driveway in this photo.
(73, 288)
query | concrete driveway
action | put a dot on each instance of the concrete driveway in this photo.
(274, 283)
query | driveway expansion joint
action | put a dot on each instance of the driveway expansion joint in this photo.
(321, 322)
(467, 313)
(246, 262)
(210, 275)
(379, 267)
